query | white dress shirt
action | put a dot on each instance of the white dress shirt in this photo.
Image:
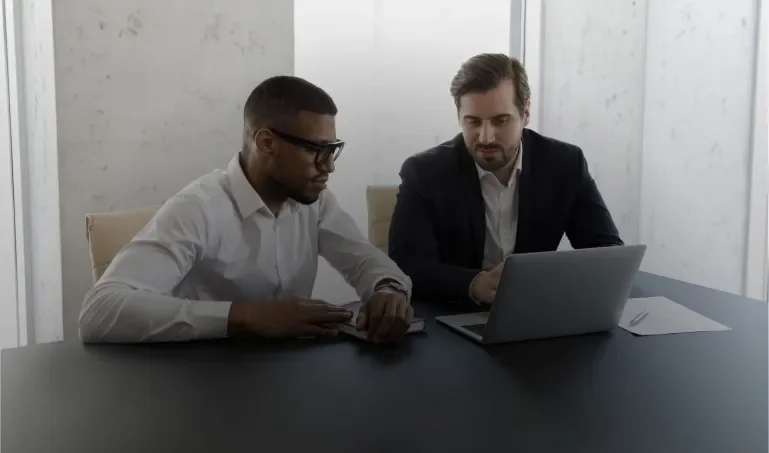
(501, 206)
(216, 242)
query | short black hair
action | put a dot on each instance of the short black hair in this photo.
(278, 100)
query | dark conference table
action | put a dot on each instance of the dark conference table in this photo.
(701, 392)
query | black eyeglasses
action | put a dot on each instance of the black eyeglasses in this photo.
(322, 150)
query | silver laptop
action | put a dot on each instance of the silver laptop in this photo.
(554, 294)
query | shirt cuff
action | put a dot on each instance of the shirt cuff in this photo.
(210, 319)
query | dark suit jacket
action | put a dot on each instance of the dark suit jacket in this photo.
(438, 227)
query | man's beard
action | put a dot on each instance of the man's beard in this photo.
(292, 193)
(497, 165)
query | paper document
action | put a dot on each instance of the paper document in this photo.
(417, 324)
(663, 316)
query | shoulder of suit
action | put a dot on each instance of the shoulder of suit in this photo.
(442, 153)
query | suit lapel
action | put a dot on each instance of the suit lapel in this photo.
(470, 186)
(525, 193)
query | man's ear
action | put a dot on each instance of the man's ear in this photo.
(265, 142)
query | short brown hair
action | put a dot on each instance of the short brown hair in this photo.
(486, 71)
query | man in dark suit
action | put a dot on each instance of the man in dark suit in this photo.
(497, 188)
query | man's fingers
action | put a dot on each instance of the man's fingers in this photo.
(403, 312)
(334, 309)
(362, 320)
(374, 314)
(320, 314)
(318, 331)
(314, 302)
(319, 308)
(390, 313)
(321, 305)
(325, 317)
(403, 317)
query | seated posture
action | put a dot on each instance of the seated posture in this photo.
(236, 252)
(495, 189)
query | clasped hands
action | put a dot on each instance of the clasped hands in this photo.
(386, 317)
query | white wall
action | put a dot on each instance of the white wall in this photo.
(659, 94)
(757, 259)
(149, 97)
(39, 169)
(592, 94)
(388, 65)
(697, 125)
(9, 322)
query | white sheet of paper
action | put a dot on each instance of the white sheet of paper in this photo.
(354, 307)
(665, 317)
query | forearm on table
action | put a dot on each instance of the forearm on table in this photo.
(118, 313)
(362, 265)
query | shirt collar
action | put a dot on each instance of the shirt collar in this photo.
(518, 166)
(247, 200)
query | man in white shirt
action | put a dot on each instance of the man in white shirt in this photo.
(497, 188)
(236, 252)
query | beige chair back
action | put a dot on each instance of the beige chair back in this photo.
(108, 232)
(381, 203)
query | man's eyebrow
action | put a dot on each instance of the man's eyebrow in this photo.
(500, 116)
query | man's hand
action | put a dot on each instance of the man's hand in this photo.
(484, 287)
(386, 316)
(286, 318)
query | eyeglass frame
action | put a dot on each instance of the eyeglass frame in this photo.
(309, 145)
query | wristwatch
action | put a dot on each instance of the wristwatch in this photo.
(392, 285)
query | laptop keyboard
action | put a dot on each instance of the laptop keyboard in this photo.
(475, 328)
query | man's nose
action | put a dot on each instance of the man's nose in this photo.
(486, 134)
(326, 163)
